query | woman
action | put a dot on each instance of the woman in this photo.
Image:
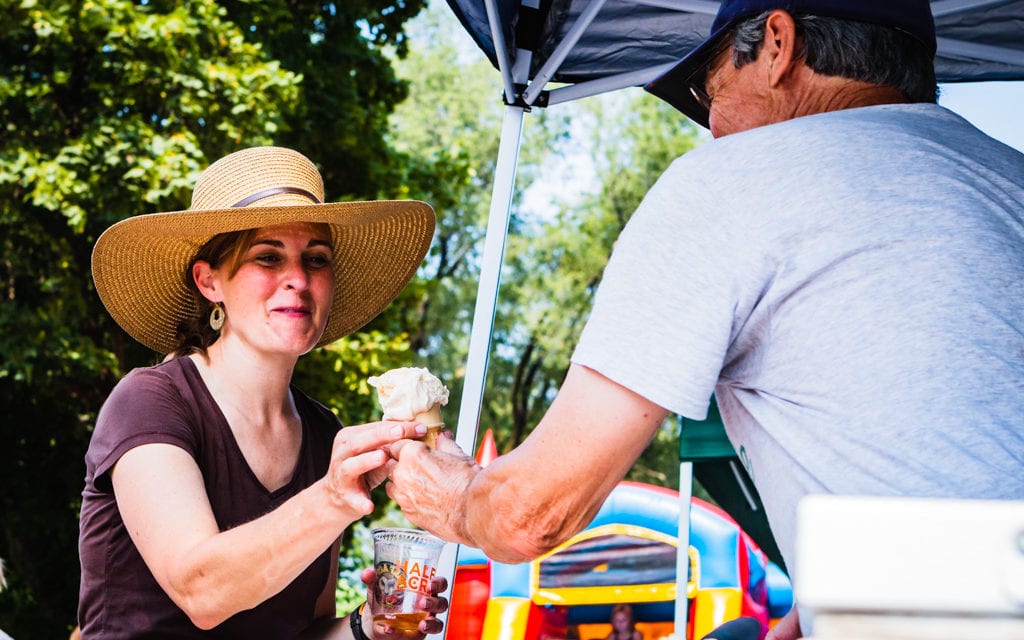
(623, 625)
(216, 493)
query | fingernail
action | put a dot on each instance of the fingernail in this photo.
(421, 430)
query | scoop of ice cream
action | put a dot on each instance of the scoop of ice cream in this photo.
(405, 392)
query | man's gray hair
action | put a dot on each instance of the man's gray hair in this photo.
(856, 50)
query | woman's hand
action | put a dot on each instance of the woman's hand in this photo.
(359, 461)
(433, 604)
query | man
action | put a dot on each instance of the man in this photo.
(843, 267)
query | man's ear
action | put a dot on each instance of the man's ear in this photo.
(206, 280)
(780, 46)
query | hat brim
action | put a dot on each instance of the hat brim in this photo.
(673, 86)
(139, 264)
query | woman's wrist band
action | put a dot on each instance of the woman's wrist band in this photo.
(355, 620)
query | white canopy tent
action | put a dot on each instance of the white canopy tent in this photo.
(555, 51)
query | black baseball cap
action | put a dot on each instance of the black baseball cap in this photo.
(674, 86)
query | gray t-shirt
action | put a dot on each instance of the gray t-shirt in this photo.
(850, 286)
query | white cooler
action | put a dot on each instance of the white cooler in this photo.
(910, 568)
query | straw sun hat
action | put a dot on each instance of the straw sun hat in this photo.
(139, 264)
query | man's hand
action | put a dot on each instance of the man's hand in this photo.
(430, 485)
(547, 489)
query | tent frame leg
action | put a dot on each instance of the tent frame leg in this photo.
(490, 277)
(486, 304)
(683, 550)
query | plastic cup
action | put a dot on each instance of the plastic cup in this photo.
(405, 561)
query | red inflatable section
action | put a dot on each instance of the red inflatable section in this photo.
(470, 593)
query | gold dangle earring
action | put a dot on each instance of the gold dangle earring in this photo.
(217, 316)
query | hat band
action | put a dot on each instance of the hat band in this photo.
(244, 202)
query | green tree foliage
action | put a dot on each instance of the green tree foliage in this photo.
(554, 266)
(110, 108)
(446, 134)
(449, 129)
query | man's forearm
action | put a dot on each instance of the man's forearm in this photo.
(514, 518)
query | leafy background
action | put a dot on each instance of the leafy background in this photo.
(111, 108)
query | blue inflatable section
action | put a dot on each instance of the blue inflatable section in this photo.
(715, 538)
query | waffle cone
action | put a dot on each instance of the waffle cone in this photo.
(432, 420)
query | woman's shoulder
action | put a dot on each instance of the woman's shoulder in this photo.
(170, 370)
(148, 405)
(151, 380)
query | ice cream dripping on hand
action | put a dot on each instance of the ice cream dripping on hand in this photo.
(412, 393)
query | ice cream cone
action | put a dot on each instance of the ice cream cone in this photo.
(412, 393)
(432, 420)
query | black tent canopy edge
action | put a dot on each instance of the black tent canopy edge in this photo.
(604, 45)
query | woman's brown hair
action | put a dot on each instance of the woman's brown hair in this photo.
(195, 334)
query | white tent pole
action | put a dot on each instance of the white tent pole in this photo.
(683, 549)
(603, 85)
(490, 273)
(501, 50)
(562, 50)
(486, 303)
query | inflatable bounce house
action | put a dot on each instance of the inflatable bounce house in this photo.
(626, 555)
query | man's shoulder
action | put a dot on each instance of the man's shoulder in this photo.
(833, 132)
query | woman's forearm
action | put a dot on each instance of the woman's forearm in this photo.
(239, 568)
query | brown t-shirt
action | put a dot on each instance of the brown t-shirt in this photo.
(169, 403)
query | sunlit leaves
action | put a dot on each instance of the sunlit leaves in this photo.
(111, 108)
